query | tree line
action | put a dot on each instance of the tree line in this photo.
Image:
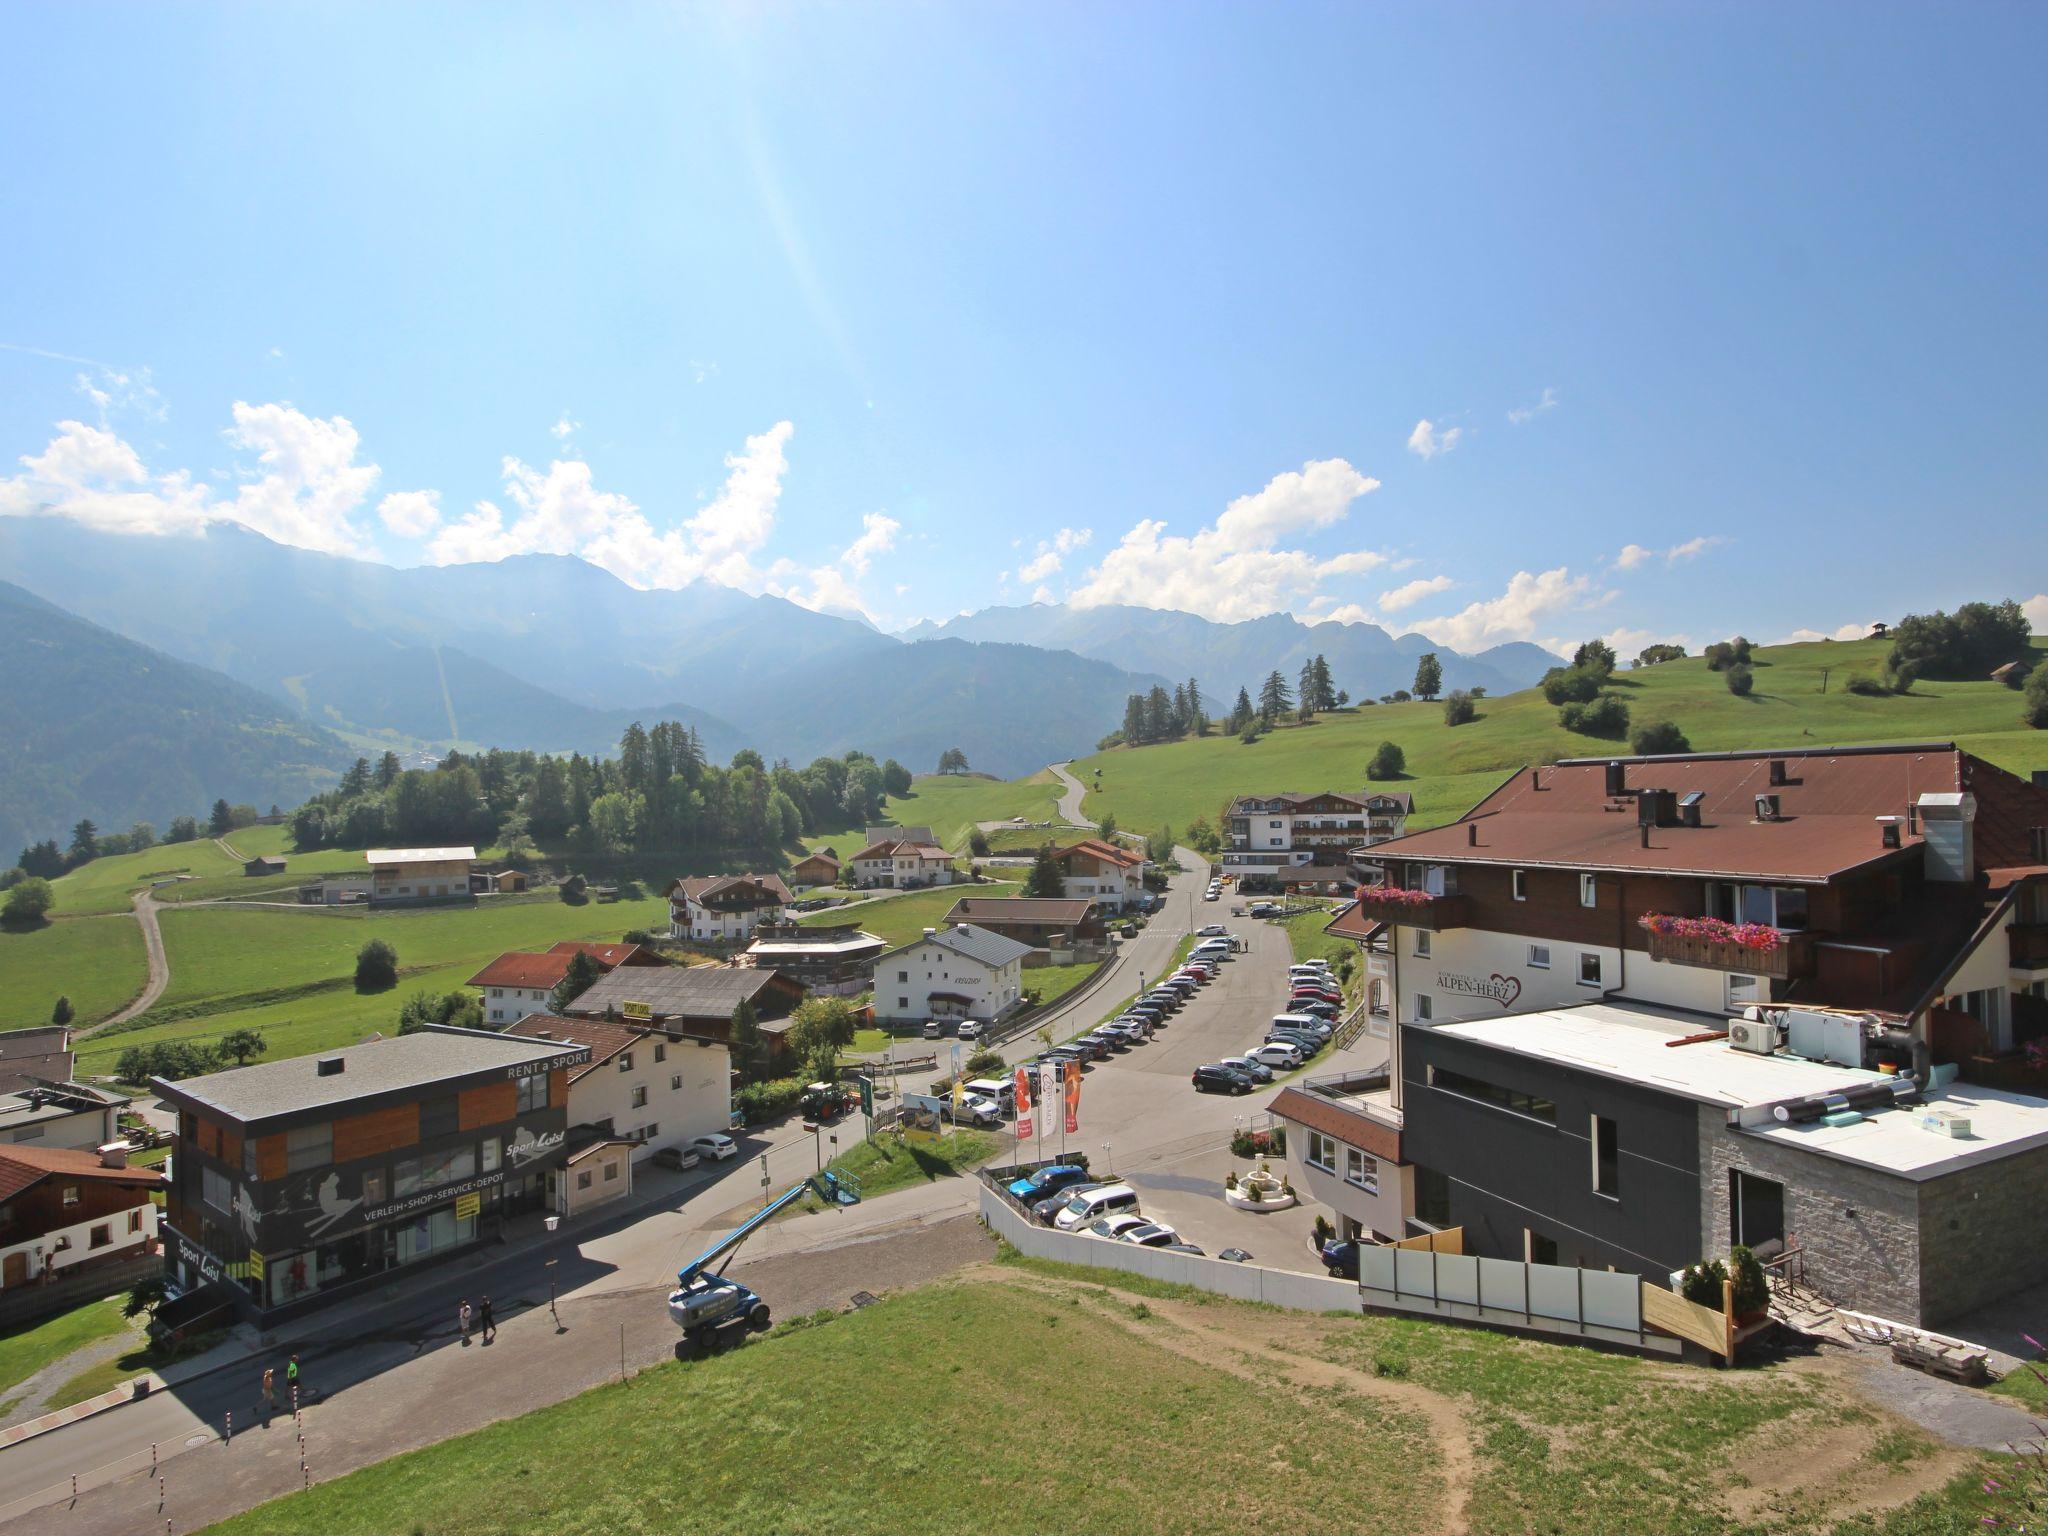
(47, 860)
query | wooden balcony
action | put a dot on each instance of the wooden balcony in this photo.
(2029, 946)
(1437, 914)
(1793, 957)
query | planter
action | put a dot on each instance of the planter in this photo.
(1279, 1201)
(1259, 1191)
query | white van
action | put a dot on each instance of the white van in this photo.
(1004, 1093)
(1093, 1204)
(1320, 1028)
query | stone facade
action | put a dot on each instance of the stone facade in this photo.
(1983, 1233)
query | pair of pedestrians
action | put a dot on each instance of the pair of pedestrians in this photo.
(484, 1318)
(291, 1377)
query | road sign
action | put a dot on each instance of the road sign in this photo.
(867, 1095)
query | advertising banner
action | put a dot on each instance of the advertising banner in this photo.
(1073, 1096)
(921, 1116)
(1023, 1081)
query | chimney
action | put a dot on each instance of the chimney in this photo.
(1689, 808)
(1617, 780)
(1766, 807)
(1644, 828)
(1471, 834)
(2037, 844)
(931, 933)
(1535, 778)
(1945, 819)
(1888, 831)
(114, 1154)
(328, 1066)
(1777, 771)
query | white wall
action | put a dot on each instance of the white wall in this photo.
(88, 1128)
(1385, 1213)
(689, 1092)
(124, 1245)
(931, 968)
(1482, 956)
(508, 1005)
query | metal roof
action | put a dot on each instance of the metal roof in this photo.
(990, 949)
(677, 991)
(378, 856)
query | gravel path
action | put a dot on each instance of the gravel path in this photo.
(144, 905)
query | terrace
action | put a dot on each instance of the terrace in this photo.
(1412, 909)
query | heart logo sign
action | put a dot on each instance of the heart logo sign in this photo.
(1505, 990)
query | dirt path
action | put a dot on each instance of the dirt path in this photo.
(1071, 790)
(144, 904)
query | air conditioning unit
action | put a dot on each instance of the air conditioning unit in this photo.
(1753, 1035)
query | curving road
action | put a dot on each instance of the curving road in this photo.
(144, 904)
(1071, 791)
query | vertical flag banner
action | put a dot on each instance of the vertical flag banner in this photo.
(1073, 1096)
(1023, 1104)
(1049, 1088)
(959, 1099)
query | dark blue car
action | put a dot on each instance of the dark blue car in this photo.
(1047, 1181)
(1340, 1258)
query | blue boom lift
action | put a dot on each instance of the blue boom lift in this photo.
(704, 1302)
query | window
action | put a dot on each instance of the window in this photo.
(1322, 1152)
(1514, 1100)
(497, 991)
(1424, 1009)
(1987, 1007)
(215, 1188)
(135, 1219)
(611, 1171)
(1539, 957)
(102, 1235)
(309, 1146)
(1775, 906)
(439, 1117)
(903, 976)
(651, 1130)
(1589, 890)
(1519, 880)
(249, 1157)
(1740, 991)
(1361, 1171)
(491, 1153)
(374, 1186)
(902, 1002)
(675, 1083)
(1537, 1248)
(1432, 1198)
(1589, 970)
(583, 1178)
(533, 1093)
(640, 1096)
(661, 1050)
(1606, 1158)
(431, 1171)
(625, 1061)
(1422, 943)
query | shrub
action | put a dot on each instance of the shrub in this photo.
(1571, 685)
(1739, 680)
(376, 967)
(2034, 709)
(29, 901)
(1658, 737)
(977, 843)
(1702, 1283)
(1967, 643)
(1389, 762)
(764, 1101)
(63, 1013)
(1723, 654)
(1868, 687)
(1752, 1290)
(1900, 676)
(1323, 1232)
(1459, 708)
(985, 1063)
(1607, 716)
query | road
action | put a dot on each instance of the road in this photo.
(144, 904)
(1070, 794)
(391, 1374)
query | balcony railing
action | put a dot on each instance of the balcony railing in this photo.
(1792, 956)
(2029, 945)
(1388, 904)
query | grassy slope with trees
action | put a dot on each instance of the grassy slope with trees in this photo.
(97, 962)
(1451, 767)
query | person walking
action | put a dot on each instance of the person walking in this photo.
(487, 1320)
(269, 1393)
(291, 1377)
(462, 1317)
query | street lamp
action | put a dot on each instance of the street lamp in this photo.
(552, 1223)
(1105, 1157)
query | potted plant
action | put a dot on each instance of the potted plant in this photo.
(1752, 1289)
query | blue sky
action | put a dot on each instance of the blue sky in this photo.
(1521, 322)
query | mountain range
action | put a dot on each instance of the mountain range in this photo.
(552, 653)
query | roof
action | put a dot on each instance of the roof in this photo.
(1354, 923)
(516, 968)
(707, 992)
(901, 848)
(990, 949)
(1250, 804)
(1347, 1125)
(1562, 816)
(833, 942)
(407, 1065)
(822, 856)
(605, 1037)
(609, 955)
(39, 1054)
(23, 1166)
(1097, 848)
(37, 1101)
(378, 856)
(700, 888)
(1056, 911)
(1636, 1044)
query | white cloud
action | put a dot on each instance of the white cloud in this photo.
(2036, 610)
(1052, 553)
(410, 514)
(1805, 636)
(1411, 593)
(877, 537)
(306, 488)
(1043, 595)
(1233, 569)
(1691, 547)
(1525, 413)
(1428, 440)
(1626, 642)
(1529, 601)
(564, 428)
(1634, 555)
(1347, 613)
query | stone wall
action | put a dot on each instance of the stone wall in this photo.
(1984, 1233)
(1860, 1228)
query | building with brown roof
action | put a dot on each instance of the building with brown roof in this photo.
(1042, 922)
(1306, 842)
(1104, 872)
(820, 868)
(650, 1086)
(902, 864)
(65, 1211)
(1610, 969)
(725, 909)
(519, 982)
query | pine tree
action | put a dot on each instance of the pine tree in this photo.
(1158, 715)
(1045, 878)
(1305, 688)
(1274, 698)
(357, 779)
(388, 770)
(1240, 713)
(1198, 718)
(1134, 720)
(1326, 696)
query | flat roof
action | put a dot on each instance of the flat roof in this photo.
(1636, 1044)
(847, 945)
(418, 855)
(399, 1065)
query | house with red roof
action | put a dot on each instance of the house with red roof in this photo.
(518, 982)
(65, 1211)
(1103, 872)
(902, 864)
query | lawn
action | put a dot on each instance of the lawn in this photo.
(888, 1163)
(104, 884)
(31, 1347)
(98, 962)
(1452, 767)
(1084, 1421)
(950, 804)
(901, 918)
(1053, 982)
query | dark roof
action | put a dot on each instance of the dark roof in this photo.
(708, 992)
(1354, 923)
(41, 1054)
(996, 911)
(1562, 816)
(22, 1166)
(701, 888)
(397, 1066)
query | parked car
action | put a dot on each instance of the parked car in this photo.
(934, 1028)
(973, 1110)
(1315, 1008)
(1303, 1021)
(1110, 1200)
(1308, 1045)
(1236, 1255)
(1002, 1090)
(969, 1030)
(1049, 1180)
(1216, 1078)
(1276, 1056)
(677, 1159)
(1257, 1071)
(715, 1145)
(1340, 1258)
(1043, 1211)
(1109, 1039)
(1184, 1248)
(1211, 930)
(1116, 1226)
(1212, 895)
(1149, 1234)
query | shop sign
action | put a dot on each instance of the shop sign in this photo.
(1497, 988)
(468, 1205)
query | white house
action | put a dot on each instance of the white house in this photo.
(66, 1208)
(726, 907)
(902, 865)
(1097, 870)
(655, 1085)
(518, 983)
(419, 874)
(60, 1115)
(963, 972)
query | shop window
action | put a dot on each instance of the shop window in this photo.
(533, 1093)
(215, 1188)
(490, 1154)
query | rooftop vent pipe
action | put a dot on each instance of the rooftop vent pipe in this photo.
(328, 1066)
(1777, 771)
(1471, 834)
(1617, 780)
(1689, 808)
(1766, 807)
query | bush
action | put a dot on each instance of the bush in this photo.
(1656, 738)
(985, 1063)
(1739, 680)
(2034, 709)
(1459, 708)
(1967, 643)
(169, 1059)
(1702, 1283)
(1572, 685)
(977, 843)
(1607, 716)
(1271, 1143)
(29, 901)
(1752, 1290)
(764, 1101)
(376, 967)
(1723, 654)
(1868, 687)
(1900, 676)
(1389, 762)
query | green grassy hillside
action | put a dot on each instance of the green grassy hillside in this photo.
(1451, 767)
(951, 803)
(97, 962)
